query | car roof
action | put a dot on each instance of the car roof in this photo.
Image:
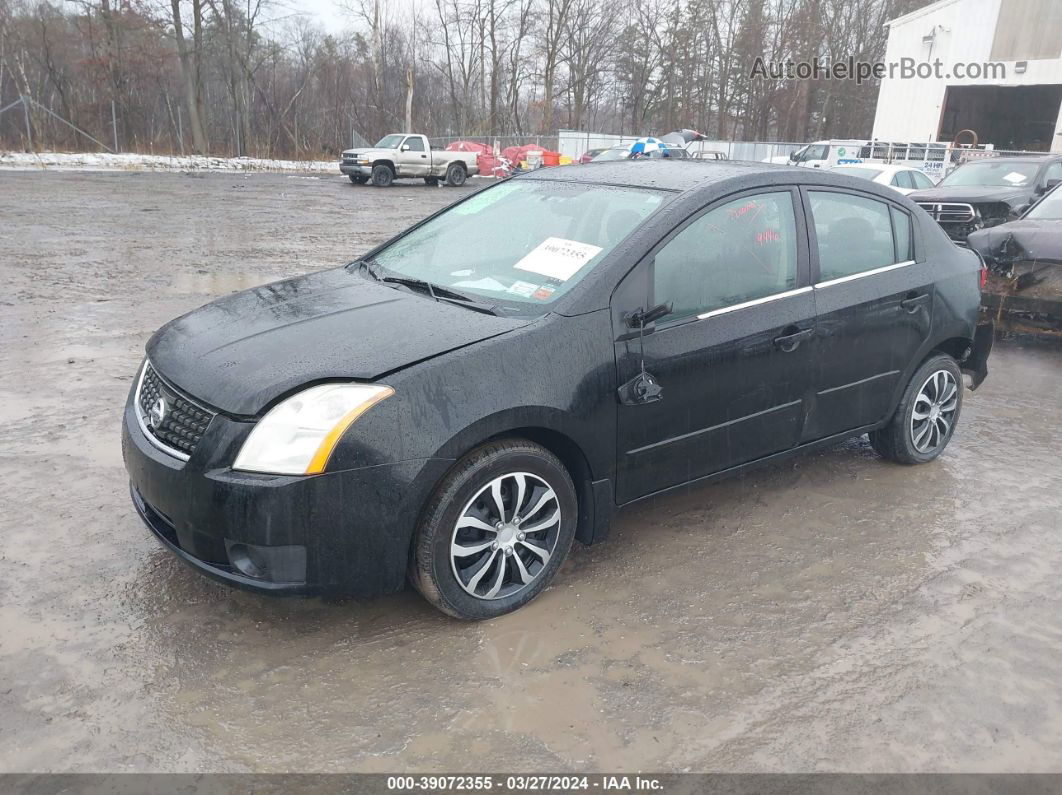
(1023, 159)
(661, 173)
(879, 166)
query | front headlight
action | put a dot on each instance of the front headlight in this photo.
(298, 435)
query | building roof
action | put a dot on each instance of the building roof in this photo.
(918, 12)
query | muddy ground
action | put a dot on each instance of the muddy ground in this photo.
(836, 613)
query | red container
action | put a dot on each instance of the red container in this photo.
(551, 158)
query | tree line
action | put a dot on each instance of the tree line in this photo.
(252, 77)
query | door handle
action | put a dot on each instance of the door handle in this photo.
(789, 342)
(912, 302)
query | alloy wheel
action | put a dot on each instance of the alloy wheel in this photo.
(505, 535)
(933, 413)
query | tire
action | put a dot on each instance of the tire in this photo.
(433, 181)
(382, 175)
(910, 438)
(358, 179)
(456, 175)
(490, 581)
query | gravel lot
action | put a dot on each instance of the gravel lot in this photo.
(836, 613)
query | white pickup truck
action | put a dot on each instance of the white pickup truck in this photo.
(406, 155)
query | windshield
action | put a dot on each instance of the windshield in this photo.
(1049, 208)
(995, 174)
(670, 151)
(864, 173)
(521, 244)
(616, 153)
(389, 141)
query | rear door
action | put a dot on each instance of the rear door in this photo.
(736, 357)
(874, 304)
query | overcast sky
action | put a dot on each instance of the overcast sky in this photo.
(326, 13)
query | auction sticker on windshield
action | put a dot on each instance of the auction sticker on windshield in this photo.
(557, 258)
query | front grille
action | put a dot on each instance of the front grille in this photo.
(950, 212)
(168, 416)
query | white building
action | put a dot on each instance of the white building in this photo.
(1018, 109)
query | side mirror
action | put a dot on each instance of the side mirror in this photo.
(405, 148)
(640, 318)
(793, 157)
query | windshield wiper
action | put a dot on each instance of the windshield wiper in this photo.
(442, 293)
(411, 283)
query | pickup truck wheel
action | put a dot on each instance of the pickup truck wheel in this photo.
(358, 179)
(433, 181)
(455, 175)
(382, 176)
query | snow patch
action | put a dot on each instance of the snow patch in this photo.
(92, 161)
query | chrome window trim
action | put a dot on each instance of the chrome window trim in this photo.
(155, 442)
(754, 302)
(873, 272)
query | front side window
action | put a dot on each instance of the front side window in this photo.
(520, 244)
(901, 179)
(820, 152)
(415, 144)
(854, 234)
(737, 252)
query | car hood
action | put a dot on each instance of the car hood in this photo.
(370, 153)
(1001, 246)
(240, 352)
(970, 195)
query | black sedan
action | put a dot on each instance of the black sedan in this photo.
(463, 402)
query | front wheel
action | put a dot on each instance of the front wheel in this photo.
(382, 175)
(925, 419)
(496, 530)
(455, 175)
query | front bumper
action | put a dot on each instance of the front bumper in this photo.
(345, 532)
(355, 169)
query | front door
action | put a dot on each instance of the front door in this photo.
(415, 160)
(874, 304)
(734, 360)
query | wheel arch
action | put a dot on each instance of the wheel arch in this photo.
(384, 162)
(592, 486)
(957, 348)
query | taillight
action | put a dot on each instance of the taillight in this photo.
(984, 276)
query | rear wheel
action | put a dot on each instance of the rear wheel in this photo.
(358, 179)
(925, 419)
(382, 175)
(496, 530)
(455, 175)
